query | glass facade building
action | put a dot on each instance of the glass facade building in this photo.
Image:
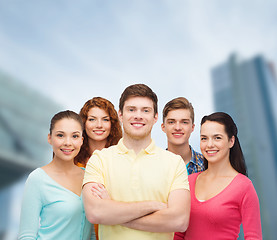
(247, 90)
(24, 124)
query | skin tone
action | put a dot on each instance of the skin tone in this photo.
(138, 119)
(98, 128)
(66, 140)
(178, 127)
(215, 146)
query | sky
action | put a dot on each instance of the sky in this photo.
(71, 51)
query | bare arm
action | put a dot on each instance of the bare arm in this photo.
(175, 218)
(110, 212)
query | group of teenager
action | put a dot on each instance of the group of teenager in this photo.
(108, 185)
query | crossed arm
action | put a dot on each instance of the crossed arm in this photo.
(110, 212)
(149, 216)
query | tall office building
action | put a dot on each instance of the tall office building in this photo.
(24, 124)
(247, 90)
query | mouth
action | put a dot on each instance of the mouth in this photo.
(99, 132)
(137, 125)
(178, 134)
(211, 152)
(67, 151)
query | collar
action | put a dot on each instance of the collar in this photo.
(194, 157)
(123, 149)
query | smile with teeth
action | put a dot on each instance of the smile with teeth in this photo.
(67, 151)
(137, 124)
(177, 134)
(99, 132)
(211, 151)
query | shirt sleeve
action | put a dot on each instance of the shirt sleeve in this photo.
(179, 236)
(180, 180)
(30, 208)
(94, 170)
(250, 211)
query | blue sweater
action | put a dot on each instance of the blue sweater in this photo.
(50, 211)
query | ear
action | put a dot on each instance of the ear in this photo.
(49, 139)
(163, 127)
(192, 128)
(231, 141)
(156, 117)
(120, 115)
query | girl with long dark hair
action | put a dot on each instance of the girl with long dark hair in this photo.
(222, 196)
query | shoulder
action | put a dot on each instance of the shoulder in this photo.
(244, 183)
(242, 179)
(192, 177)
(166, 153)
(36, 174)
(106, 151)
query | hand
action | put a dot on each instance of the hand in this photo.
(99, 191)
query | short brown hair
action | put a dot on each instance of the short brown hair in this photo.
(138, 90)
(178, 103)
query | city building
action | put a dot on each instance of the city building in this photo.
(247, 90)
(24, 124)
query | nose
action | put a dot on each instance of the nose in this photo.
(67, 141)
(99, 124)
(210, 143)
(177, 126)
(138, 115)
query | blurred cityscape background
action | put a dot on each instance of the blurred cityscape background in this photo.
(55, 55)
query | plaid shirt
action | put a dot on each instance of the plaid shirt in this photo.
(196, 164)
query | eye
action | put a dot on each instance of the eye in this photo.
(106, 119)
(185, 122)
(203, 138)
(217, 138)
(91, 119)
(131, 110)
(59, 135)
(75, 136)
(146, 110)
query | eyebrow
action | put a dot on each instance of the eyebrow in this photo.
(64, 132)
(215, 135)
(95, 116)
(138, 107)
(174, 119)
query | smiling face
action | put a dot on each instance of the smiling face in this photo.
(214, 142)
(178, 126)
(138, 118)
(66, 139)
(98, 124)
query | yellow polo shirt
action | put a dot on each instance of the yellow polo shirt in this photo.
(149, 175)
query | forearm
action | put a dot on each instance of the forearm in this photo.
(161, 221)
(175, 218)
(110, 212)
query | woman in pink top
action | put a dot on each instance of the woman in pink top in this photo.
(222, 197)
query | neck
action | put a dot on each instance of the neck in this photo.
(222, 168)
(62, 166)
(183, 150)
(136, 144)
(96, 145)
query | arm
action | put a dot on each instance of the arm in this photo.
(110, 212)
(30, 209)
(250, 211)
(175, 218)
